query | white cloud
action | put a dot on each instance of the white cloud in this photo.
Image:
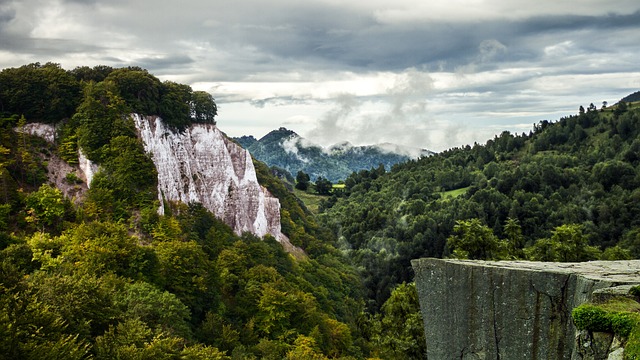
(561, 49)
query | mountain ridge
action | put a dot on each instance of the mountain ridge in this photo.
(286, 149)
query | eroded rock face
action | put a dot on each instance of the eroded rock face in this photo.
(58, 169)
(198, 165)
(88, 168)
(509, 309)
(202, 165)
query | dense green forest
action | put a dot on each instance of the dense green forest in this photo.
(106, 277)
(566, 191)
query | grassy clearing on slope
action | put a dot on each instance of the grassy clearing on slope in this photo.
(454, 193)
(311, 201)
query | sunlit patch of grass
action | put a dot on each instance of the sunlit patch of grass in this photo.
(454, 193)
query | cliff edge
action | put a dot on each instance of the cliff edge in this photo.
(509, 309)
(201, 165)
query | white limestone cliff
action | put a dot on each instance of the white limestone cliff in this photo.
(88, 168)
(202, 165)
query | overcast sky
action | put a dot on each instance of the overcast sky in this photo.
(431, 74)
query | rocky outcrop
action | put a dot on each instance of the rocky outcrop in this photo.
(198, 165)
(201, 165)
(58, 171)
(45, 131)
(509, 310)
(88, 168)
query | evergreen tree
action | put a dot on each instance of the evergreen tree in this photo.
(323, 186)
(302, 181)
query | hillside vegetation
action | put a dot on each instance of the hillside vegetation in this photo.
(567, 191)
(106, 277)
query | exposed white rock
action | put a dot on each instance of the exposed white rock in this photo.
(57, 169)
(198, 165)
(88, 167)
(202, 165)
(44, 131)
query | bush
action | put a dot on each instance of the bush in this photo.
(72, 178)
(623, 323)
(591, 317)
(632, 347)
(619, 316)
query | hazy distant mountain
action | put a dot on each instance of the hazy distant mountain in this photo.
(246, 141)
(632, 97)
(286, 149)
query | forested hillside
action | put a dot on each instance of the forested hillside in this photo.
(104, 276)
(566, 191)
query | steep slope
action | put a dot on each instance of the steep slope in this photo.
(286, 149)
(198, 165)
(631, 97)
(58, 171)
(202, 165)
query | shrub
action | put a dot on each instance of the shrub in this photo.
(611, 317)
(623, 323)
(72, 178)
(591, 317)
(632, 347)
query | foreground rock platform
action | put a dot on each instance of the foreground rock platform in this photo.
(509, 309)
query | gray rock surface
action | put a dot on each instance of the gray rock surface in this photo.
(511, 309)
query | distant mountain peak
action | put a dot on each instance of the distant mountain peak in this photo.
(286, 149)
(280, 133)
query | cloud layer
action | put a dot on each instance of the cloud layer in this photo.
(428, 74)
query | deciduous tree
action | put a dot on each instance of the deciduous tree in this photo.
(474, 240)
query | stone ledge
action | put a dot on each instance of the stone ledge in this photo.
(510, 309)
(624, 271)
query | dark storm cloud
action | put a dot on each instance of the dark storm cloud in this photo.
(503, 57)
(6, 14)
(368, 45)
(445, 44)
(164, 64)
(357, 45)
(539, 24)
(323, 35)
(45, 48)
